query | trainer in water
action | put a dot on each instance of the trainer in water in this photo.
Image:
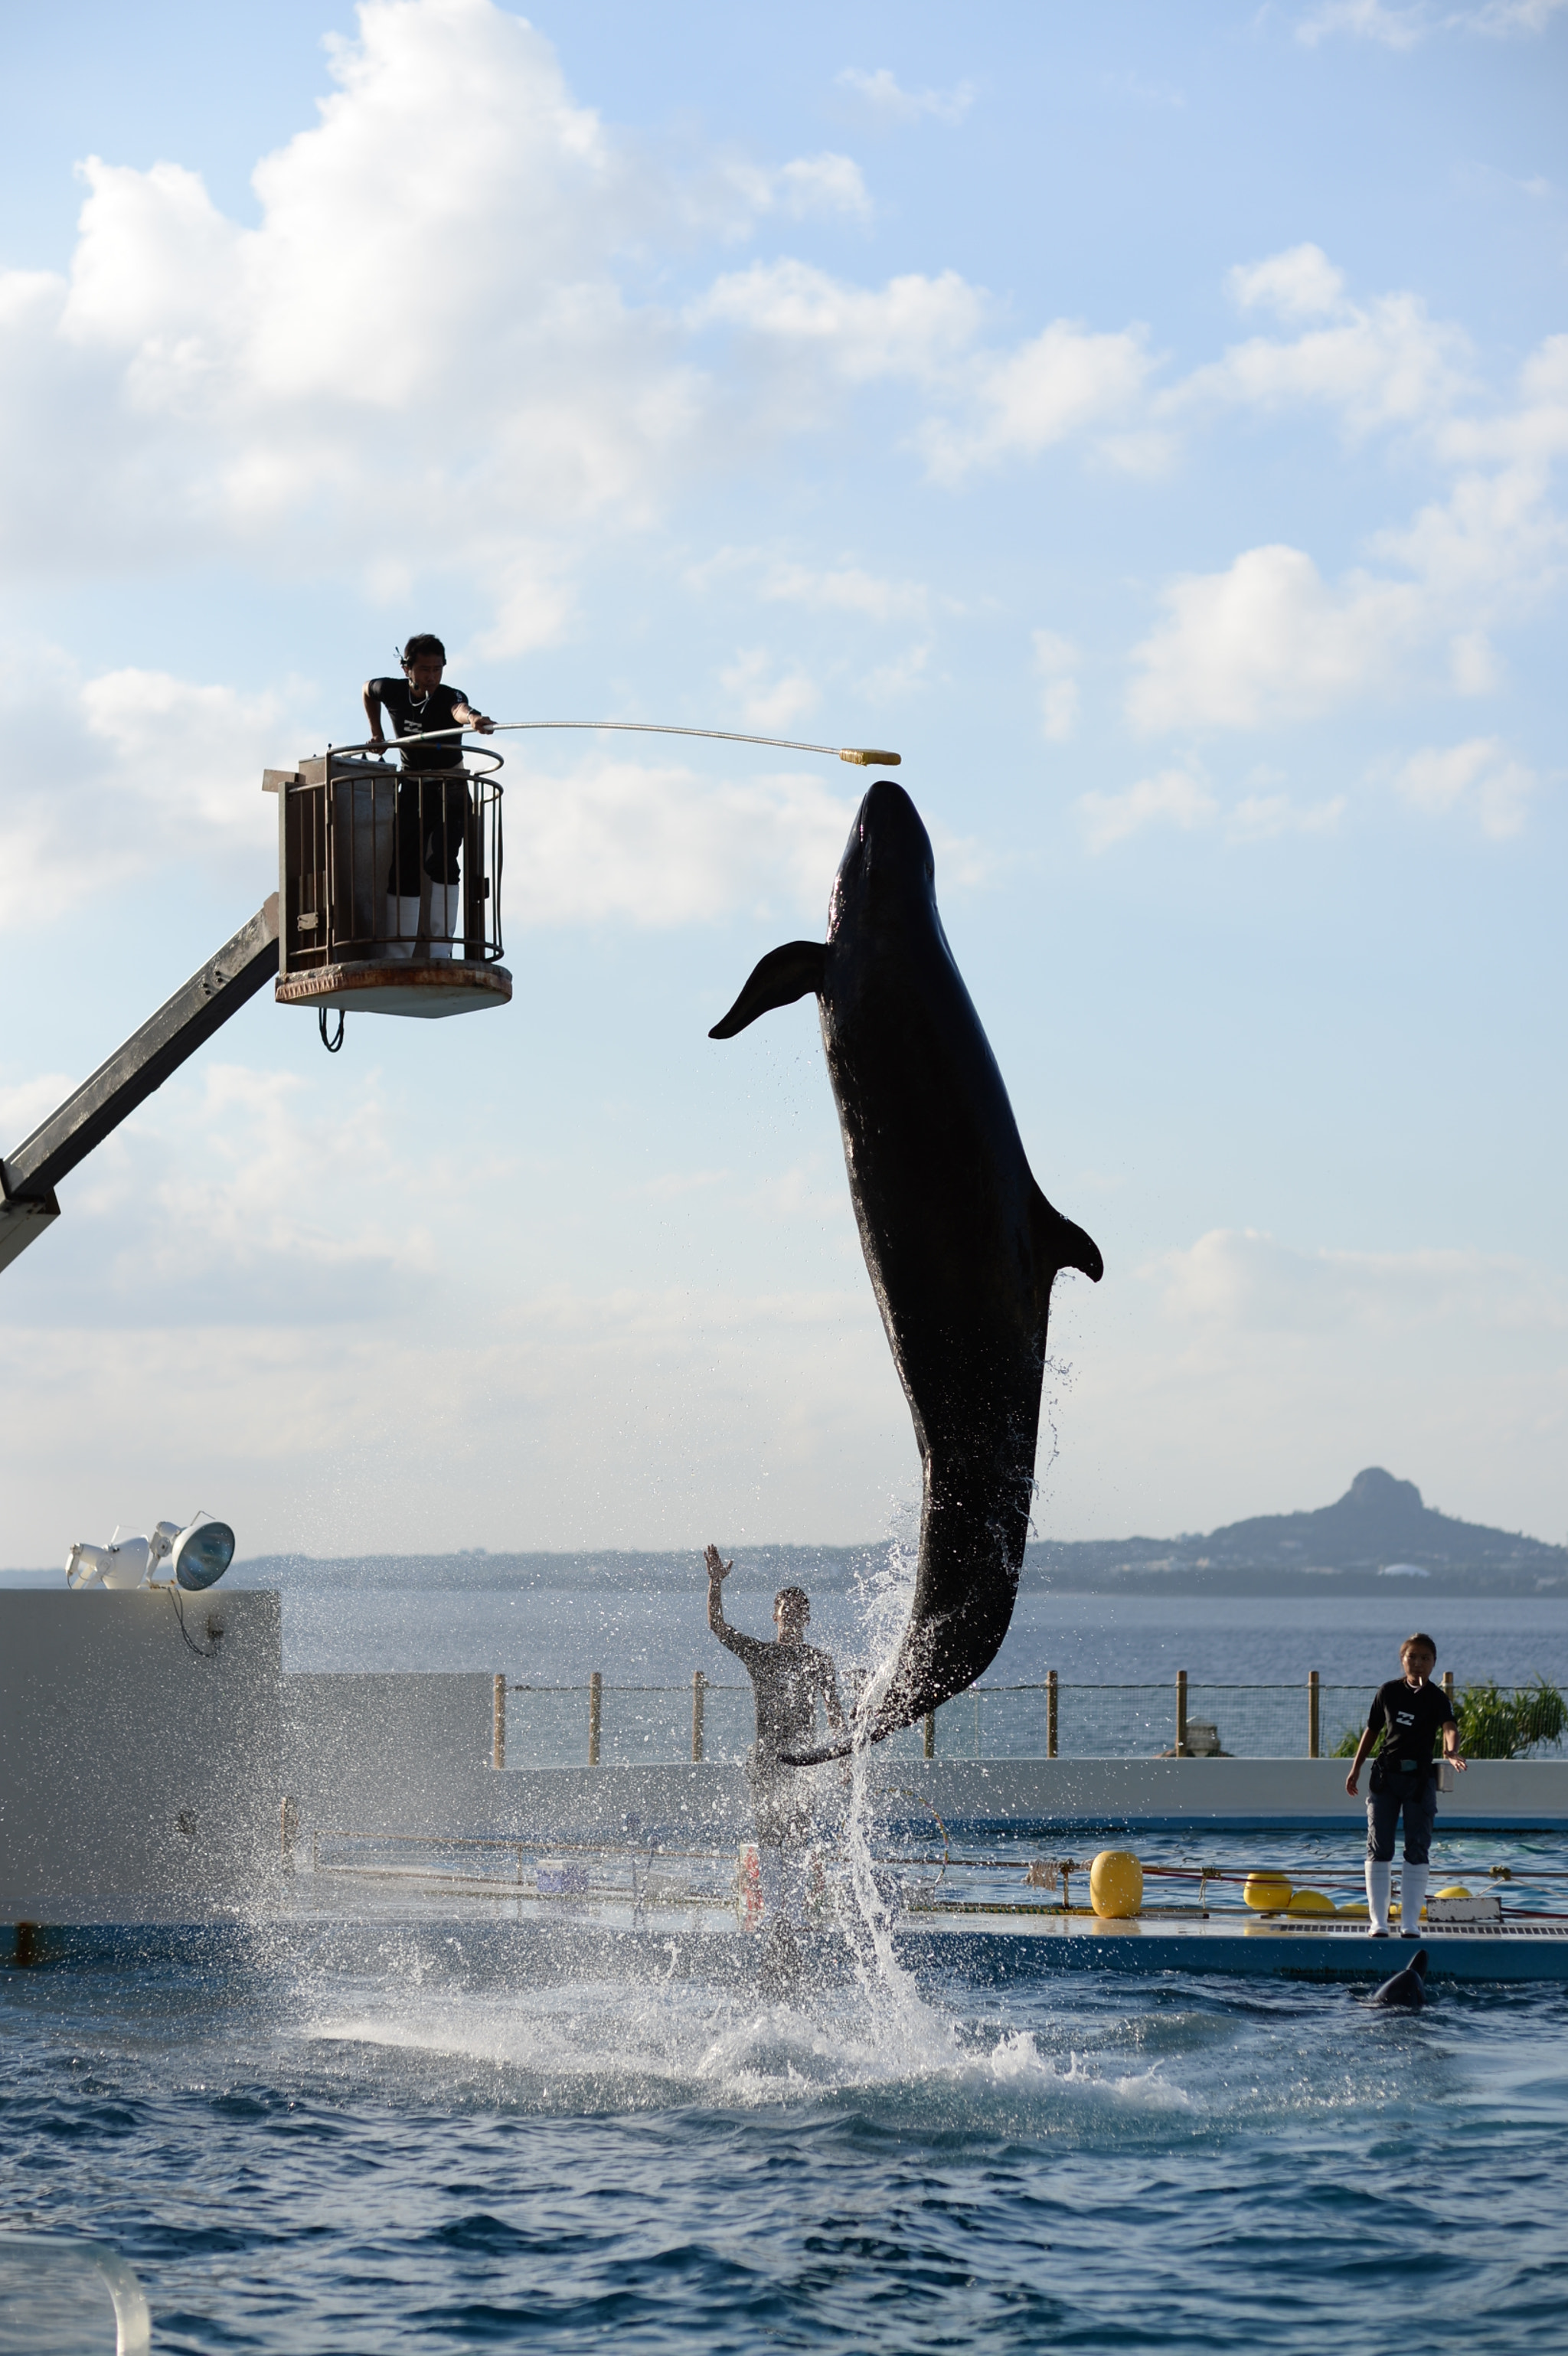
(1409, 1712)
(961, 1246)
(788, 1677)
(432, 796)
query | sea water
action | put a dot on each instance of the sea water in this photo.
(559, 1635)
(422, 2151)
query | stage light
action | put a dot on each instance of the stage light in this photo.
(197, 1555)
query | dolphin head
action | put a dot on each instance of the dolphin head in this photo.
(888, 862)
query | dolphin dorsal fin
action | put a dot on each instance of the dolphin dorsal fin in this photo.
(782, 976)
(1060, 1244)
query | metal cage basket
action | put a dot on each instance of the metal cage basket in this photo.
(390, 883)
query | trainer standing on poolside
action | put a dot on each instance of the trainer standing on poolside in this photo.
(1408, 1712)
(786, 1677)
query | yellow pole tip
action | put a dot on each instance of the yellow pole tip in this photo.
(864, 760)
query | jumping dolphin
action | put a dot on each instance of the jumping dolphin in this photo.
(1407, 1987)
(961, 1246)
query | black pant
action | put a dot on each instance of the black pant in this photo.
(433, 814)
(1417, 1796)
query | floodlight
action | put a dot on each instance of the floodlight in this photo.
(202, 1553)
(199, 1553)
(85, 1564)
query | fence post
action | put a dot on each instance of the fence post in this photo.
(1448, 1685)
(697, 1683)
(499, 1723)
(928, 1735)
(1181, 1713)
(595, 1711)
(1050, 1713)
(1313, 1729)
(289, 1827)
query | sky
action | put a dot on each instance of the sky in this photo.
(1151, 423)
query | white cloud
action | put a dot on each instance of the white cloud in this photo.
(991, 405)
(615, 841)
(1171, 798)
(1056, 660)
(846, 588)
(1369, 20)
(135, 772)
(1268, 639)
(1404, 27)
(1379, 364)
(1246, 1280)
(769, 699)
(883, 94)
(1259, 817)
(1061, 382)
(1299, 283)
(914, 326)
(1479, 772)
(807, 187)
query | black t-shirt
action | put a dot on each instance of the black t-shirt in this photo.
(1408, 1723)
(411, 715)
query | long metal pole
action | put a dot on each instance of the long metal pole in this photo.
(862, 757)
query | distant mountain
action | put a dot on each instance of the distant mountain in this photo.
(1376, 1537)
(1378, 1531)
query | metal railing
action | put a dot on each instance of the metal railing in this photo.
(598, 1724)
(380, 865)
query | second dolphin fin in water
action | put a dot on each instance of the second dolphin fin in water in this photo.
(782, 976)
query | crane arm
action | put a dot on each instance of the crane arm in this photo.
(183, 1023)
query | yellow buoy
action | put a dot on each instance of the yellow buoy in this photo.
(1267, 1893)
(1455, 1889)
(1115, 1884)
(1309, 1901)
(1355, 1906)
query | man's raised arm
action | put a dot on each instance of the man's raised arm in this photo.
(718, 1572)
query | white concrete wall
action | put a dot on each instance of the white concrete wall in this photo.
(131, 1768)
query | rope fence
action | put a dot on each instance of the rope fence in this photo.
(625, 1726)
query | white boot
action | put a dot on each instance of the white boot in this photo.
(445, 913)
(402, 924)
(1380, 1878)
(1412, 1898)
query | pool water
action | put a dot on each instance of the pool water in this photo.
(418, 2153)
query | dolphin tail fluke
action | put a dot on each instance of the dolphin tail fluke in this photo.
(1063, 1245)
(782, 976)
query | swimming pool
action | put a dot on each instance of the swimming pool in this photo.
(401, 2144)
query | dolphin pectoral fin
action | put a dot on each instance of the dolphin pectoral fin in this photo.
(842, 1748)
(781, 977)
(1061, 1245)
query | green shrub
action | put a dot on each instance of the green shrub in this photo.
(1495, 1721)
(1503, 1722)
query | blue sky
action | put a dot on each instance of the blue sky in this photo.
(1151, 422)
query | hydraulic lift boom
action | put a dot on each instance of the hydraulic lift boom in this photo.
(199, 1007)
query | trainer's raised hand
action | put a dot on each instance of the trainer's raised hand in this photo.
(718, 1568)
